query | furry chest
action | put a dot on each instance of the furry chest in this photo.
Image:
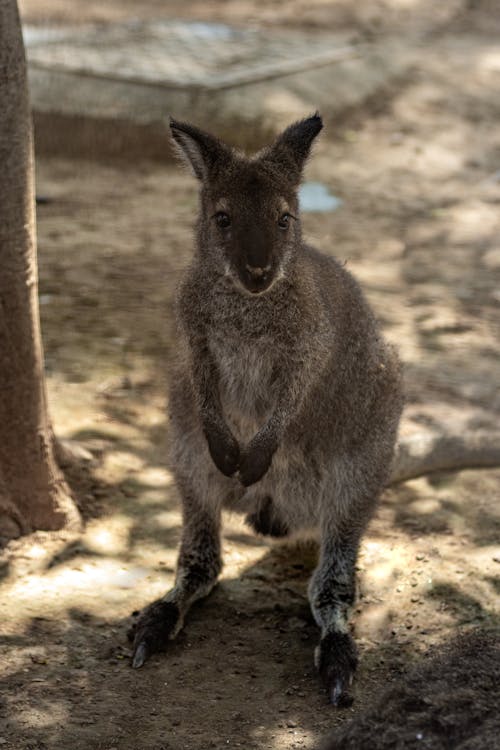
(247, 375)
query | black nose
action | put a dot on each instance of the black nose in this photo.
(256, 272)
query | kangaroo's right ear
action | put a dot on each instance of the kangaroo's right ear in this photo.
(204, 153)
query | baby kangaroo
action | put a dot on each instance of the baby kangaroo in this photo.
(284, 398)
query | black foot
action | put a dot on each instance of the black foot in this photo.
(337, 661)
(266, 521)
(152, 631)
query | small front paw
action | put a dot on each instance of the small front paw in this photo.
(337, 659)
(255, 461)
(224, 450)
(157, 624)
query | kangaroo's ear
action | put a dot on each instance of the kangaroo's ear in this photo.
(292, 147)
(204, 153)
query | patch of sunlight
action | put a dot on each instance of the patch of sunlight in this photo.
(152, 418)
(404, 337)
(383, 573)
(168, 519)
(118, 462)
(156, 556)
(491, 258)
(374, 622)
(373, 551)
(36, 552)
(97, 586)
(438, 160)
(151, 497)
(236, 562)
(154, 476)
(80, 577)
(484, 557)
(474, 221)
(424, 506)
(109, 536)
(384, 274)
(490, 60)
(233, 554)
(286, 739)
(380, 565)
(420, 485)
(403, 3)
(52, 714)
(71, 405)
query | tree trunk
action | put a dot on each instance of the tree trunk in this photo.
(33, 493)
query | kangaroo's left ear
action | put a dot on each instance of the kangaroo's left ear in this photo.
(292, 147)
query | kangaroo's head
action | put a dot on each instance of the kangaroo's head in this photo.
(249, 224)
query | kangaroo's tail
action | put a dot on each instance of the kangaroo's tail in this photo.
(425, 453)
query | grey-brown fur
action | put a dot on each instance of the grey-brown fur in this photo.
(284, 398)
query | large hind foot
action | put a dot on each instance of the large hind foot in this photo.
(266, 520)
(336, 659)
(157, 624)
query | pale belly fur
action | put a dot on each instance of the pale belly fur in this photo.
(248, 392)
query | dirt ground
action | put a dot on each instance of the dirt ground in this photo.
(418, 172)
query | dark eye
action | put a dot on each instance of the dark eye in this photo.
(223, 220)
(284, 221)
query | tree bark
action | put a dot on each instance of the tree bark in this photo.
(33, 492)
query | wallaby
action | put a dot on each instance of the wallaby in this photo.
(284, 398)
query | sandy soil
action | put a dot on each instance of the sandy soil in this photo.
(418, 175)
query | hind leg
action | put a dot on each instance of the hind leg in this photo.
(198, 567)
(331, 595)
(346, 510)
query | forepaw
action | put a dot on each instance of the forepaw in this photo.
(256, 458)
(224, 450)
(336, 659)
(156, 625)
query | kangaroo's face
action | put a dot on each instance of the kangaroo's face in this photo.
(249, 218)
(251, 224)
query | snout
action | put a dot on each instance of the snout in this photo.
(257, 278)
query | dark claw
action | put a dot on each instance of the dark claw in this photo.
(335, 692)
(340, 698)
(140, 655)
(337, 664)
(154, 628)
